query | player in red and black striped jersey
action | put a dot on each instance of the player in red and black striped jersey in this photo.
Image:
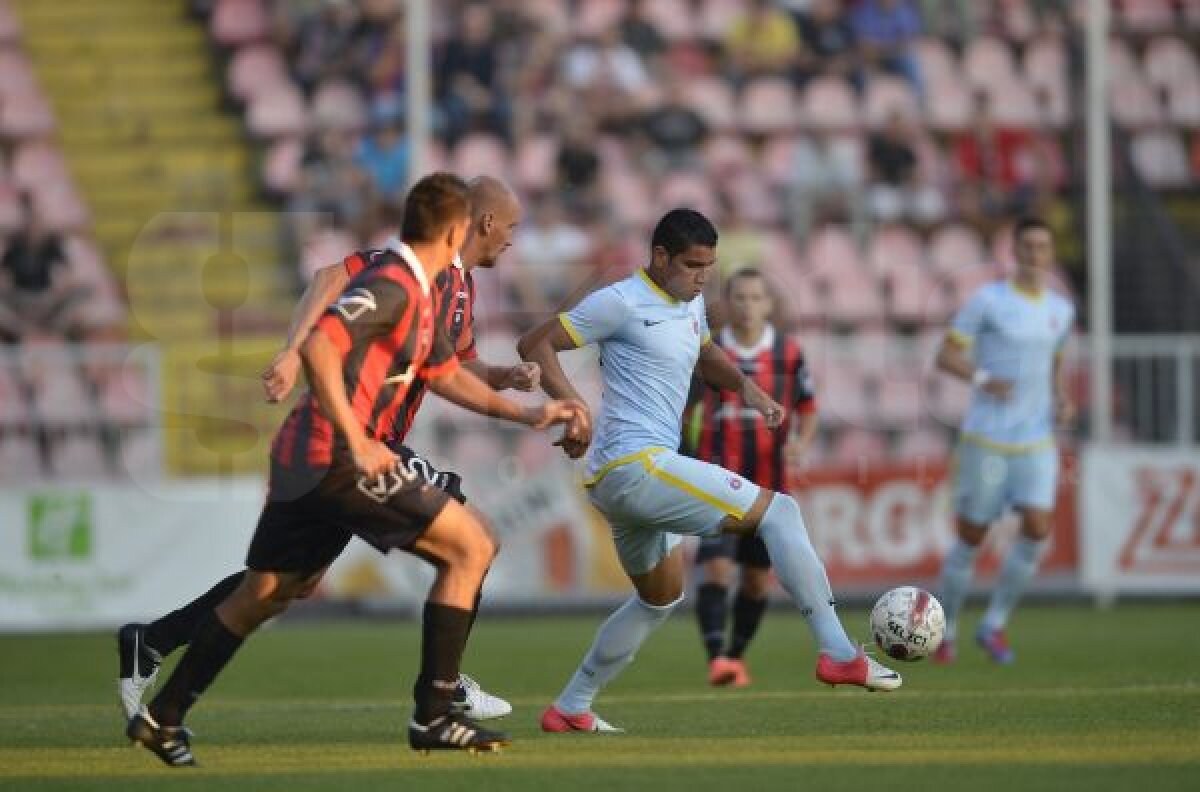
(495, 213)
(719, 428)
(333, 477)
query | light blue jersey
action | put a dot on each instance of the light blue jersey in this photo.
(649, 343)
(1013, 336)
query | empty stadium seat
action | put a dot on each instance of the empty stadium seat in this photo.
(718, 16)
(1169, 62)
(712, 99)
(929, 445)
(237, 22)
(479, 153)
(324, 248)
(1014, 104)
(16, 74)
(37, 163)
(282, 164)
(899, 401)
(79, 455)
(768, 106)
(686, 188)
(20, 458)
(673, 18)
(1147, 16)
(338, 104)
(726, 153)
(955, 247)
(841, 396)
(13, 410)
(59, 396)
(830, 248)
(829, 103)
(855, 446)
(26, 116)
(126, 397)
(1134, 103)
(11, 216)
(278, 113)
(1183, 104)
(935, 58)
(1160, 158)
(596, 16)
(535, 165)
(256, 69)
(952, 104)
(889, 95)
(10, 27)
(988, 60)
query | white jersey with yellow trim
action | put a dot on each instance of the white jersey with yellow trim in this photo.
(649, 343)
(1013, 335)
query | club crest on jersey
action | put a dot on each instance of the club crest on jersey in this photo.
(354, 303)
(735, 483)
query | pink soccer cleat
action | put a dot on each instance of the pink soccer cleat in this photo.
(555, 720)
(863, 671)
(995, 643)
(946, 653)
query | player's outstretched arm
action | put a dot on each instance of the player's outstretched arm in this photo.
(719, 371)
(280, 376)
(541, 346)
(323, 365)
(470, 392)
(522, 377)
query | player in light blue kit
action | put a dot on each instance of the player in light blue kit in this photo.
(652, 334)
(1007, 341)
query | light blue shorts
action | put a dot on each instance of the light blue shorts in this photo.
(654, 497)
(988, 480)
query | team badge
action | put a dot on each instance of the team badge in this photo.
(735, 483)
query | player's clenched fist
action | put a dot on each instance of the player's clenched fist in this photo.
(372, 458)
(279, 377)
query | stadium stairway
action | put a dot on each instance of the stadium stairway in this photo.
(170, 180)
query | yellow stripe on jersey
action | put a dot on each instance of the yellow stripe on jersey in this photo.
(571, 331)
(959, 337)
(706, 340)
(656, 288)
(1007, 448)
(644, 456)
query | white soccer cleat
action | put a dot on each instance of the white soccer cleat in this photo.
(139, 666)
(476, 703)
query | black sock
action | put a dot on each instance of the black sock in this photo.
(177, 628)
(475, 607)
(747, 615)
(711, 605)
(213, 646)
(443, 639)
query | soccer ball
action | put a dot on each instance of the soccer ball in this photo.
(908, 623)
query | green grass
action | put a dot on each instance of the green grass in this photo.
(1099, 700)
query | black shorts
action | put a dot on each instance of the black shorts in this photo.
(448, 482)
(750, 551)
(310, 514)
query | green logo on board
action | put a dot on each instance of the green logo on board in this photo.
(60, 527)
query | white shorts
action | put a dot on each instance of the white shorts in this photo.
(987, 481)
(653, 497)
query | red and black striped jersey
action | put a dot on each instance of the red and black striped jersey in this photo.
(454, 290)
(720, 428)
(385, 328)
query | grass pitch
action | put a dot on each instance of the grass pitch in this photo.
(1098, 700)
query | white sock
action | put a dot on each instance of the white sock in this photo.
(616, 643)
(803, 575)
(1020, 565)
(957, 570)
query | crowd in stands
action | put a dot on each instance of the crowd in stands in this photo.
(61, 412)
(869, 154)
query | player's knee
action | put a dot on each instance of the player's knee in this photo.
(784, 511)
(1036, 526)
(755, 583)
(971, 533)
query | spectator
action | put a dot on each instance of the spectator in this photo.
(385, 68)
(824, 178)
(577, 166)
(995, 167)
(330, 183)
(39, 294)
(884, 30)
(742, 243)
(639, 33)
(324, 44)
(827, 34)
(674, 131)
(895, 191)
(468, 72)
(607, 77)
(383, 154)
(763, 41)
(550, 250)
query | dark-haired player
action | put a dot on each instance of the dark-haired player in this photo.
(495, 214)
(652, 334)
(719, 427)
(332, 477)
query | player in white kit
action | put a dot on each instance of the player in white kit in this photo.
(1007, 341)
(652, 334)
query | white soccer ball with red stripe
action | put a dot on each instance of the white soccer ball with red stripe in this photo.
(908, 623)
